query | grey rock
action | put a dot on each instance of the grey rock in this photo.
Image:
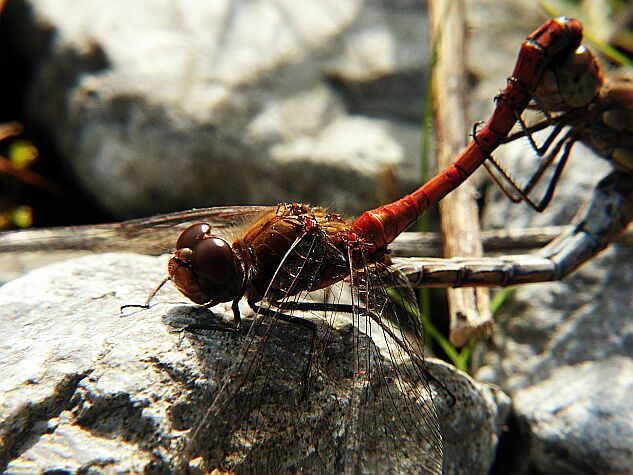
(496, 31)
(586, 402)
(84, 389)
(188, 104)
(481, 413)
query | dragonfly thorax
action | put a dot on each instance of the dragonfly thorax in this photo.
(205, 268)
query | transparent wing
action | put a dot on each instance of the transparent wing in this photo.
(263, 418)
(22, 251)
(153, 235)
(311, 392)
(397, 420)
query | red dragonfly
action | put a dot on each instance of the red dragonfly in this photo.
(577, 102)
(293, 250)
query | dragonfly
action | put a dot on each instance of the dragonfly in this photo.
(576, 101)
(269, 265)
(578, 105)
(565, 247)
(286, 254)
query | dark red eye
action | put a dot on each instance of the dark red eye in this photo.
(193, 234)
(214, 259)
(205, 268)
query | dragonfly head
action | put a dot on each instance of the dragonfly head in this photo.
(205, 268)
(573, 81)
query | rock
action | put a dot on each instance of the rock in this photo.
(85, 389)
(576, 404)
(481, 412)
(159, 108)
(563, 350)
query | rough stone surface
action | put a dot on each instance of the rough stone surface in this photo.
(84, 389)
(495, 32)
(564, 350)
(158, 107)
(580, 417)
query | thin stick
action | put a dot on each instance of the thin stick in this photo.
(469, 309)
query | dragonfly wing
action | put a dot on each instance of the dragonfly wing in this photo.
(391, 380)
(311, 392)
(154, 235)
(22, 251)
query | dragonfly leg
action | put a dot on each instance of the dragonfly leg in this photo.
(525, 129)
(316, 306)
(193, 326)
(496, 171)
(542, 150)
(207, 326)
(549, 192)
(147, 301)
(503, 178)
(271, 312)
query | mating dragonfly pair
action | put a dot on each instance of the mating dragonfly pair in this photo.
(292, 251)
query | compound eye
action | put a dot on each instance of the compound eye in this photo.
(191, 236)
(581, 62)
(205, 268)
(214, 259)
(579, 78)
